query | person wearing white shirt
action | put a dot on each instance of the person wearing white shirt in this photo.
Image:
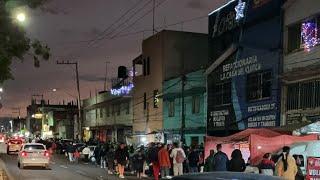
(178, 156)
(86, 152)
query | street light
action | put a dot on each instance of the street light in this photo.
(21, 17)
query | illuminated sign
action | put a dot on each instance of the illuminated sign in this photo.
(123, 90)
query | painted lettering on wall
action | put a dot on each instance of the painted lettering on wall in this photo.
(262, 121)
(262, 107)
(218, 118)
(224, 24)
(241, 67)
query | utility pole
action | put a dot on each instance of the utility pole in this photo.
(183, 118)
(106, 77)
(79, 123)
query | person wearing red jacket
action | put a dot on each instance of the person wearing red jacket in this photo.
(164, 161)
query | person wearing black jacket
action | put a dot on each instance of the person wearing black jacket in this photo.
(121, 158)
(103, 153)
(237, 163)
(193, 159)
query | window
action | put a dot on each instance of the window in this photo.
(259, 85)
(101, 113)
(113, 109)
(294, 37)
(300, 159)
(303, 95)
(144, 101)
(171, 108)
(118, 109)
(222, 93)
(195, 104)
(127, 107)
(146, 66)
(108, 111)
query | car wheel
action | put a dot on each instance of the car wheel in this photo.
(46, 166)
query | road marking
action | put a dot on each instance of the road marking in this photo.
(63, 166)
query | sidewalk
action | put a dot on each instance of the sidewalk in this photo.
(3, 171)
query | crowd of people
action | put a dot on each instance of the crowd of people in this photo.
(162, 160)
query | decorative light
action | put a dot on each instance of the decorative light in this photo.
(123, 90)
(240, 9)
(309, 34)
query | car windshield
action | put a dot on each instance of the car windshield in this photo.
(34, 147)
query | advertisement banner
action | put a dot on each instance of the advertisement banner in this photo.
(313, 168)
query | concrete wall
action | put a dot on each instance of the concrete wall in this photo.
(165, 52)
(150, 119)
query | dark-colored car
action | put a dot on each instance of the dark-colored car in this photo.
(225, 176)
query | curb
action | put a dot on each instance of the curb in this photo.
(5, 175)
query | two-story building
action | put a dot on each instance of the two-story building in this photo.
(194, 94)
(165, 55)
(107, 117)
(301, 63)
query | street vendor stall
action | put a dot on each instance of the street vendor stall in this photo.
(254, 143)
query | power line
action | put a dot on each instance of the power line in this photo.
(145, 14)
(126, 21)
(116, 21)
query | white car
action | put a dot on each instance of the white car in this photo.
(33, 154)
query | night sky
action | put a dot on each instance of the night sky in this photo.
(66, 25)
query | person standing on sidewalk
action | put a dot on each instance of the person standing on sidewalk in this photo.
(103, 154)
(121, 158)
(86, 152)
(164, 162)
(193, 160)
(221, 159)
(138, 161)
(178, 156)
(154, 159)
(110, 159)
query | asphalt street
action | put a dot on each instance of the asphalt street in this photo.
(60, 169)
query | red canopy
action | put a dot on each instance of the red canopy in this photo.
(255, 142)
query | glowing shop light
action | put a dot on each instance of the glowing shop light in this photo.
(240, 10)
(123, 90)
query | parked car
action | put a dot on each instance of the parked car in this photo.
(13, 145)
(33, 154)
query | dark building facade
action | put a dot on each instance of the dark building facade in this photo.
(243, 80)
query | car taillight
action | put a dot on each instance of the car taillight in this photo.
(46, 153)
(23, 154)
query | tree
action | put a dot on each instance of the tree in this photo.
(14, 43)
